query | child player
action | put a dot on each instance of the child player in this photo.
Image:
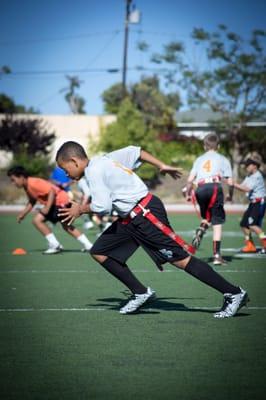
(143, 222)
(52, 197)
(254, 186)
(208, 172)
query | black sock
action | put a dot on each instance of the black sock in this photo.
(123, 273)
(202, 271)
(216, 247)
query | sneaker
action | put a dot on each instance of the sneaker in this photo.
(53, 250)
(88, 225)
(232, 304)
(249, 247)
(218, 260)
(137, 301)
(262, 251)
(200, 232)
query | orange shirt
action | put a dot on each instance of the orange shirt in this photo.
(38, 189)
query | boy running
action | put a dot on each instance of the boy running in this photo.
(53, 198)
(143, 222)
(208, 172)
(254, 187)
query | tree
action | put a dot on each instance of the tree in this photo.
(75, 102)
(29, 140)
(131, 128)
(8, 106)
(232, 81)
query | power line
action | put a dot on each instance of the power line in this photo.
(60, 38)
(109, 70)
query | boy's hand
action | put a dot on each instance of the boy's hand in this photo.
(173, 171)
(69, 214)
(20, 218)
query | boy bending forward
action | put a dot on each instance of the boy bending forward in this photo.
(114, 186)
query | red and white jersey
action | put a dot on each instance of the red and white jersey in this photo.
(211, 164)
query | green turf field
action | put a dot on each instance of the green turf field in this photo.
(62, 336)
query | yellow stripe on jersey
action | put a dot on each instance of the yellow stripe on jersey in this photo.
(127, 170)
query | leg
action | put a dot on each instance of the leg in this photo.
(217, 236)
(259, 232)
(53, 244)
(121, 272)
(71, 230)
(234, 297)
(200, 232)
(141, 294)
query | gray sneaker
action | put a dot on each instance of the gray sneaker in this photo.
(232, 304)
(200, 232)
(137, 301)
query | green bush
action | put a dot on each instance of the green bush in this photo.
(36, 166)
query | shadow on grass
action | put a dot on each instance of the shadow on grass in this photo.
(157, 305)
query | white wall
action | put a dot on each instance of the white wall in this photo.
(67, 127)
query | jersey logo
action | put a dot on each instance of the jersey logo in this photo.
(127, 170)
(166, 253)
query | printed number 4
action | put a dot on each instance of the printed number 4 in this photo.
(207, 166)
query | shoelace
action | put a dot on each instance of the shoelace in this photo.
(227, 300)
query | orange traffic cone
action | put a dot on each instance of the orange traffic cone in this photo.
(19, 252)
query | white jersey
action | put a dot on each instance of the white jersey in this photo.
(211, 164)
(84, 188)
(255, 183)
(112, 182)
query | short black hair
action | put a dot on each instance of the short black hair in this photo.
(18, 170)
(70, 149)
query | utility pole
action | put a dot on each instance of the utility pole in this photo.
(128, 2)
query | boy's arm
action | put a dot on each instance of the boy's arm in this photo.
(164, 168)
(26, 210)
(230, 183)
(242, 187)
(50, 201)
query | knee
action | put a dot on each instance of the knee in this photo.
(99, 258)
(182, 263)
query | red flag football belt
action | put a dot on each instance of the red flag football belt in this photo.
(155, 221)
(212, 179)
(258, 200)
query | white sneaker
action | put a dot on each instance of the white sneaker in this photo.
(88, 225)
(218, 260)
(53, 250)
(137, 301)
(232, 304)
(86, 249)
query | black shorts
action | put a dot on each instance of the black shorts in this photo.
(121, 241)
(52, 215)
(253, 215)
(214, 214)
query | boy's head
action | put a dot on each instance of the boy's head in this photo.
(211, 142)
(252, 162)
(72, 158)
(18, 176)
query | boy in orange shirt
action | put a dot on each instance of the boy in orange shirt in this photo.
(52, 197)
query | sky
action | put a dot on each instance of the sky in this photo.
(43, 41)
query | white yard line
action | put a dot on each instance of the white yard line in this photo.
(262, 308)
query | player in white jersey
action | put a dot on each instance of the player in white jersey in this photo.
(254, 187)
(143, 222)
(208, 173)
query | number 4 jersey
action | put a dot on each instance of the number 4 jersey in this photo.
(211, 164)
